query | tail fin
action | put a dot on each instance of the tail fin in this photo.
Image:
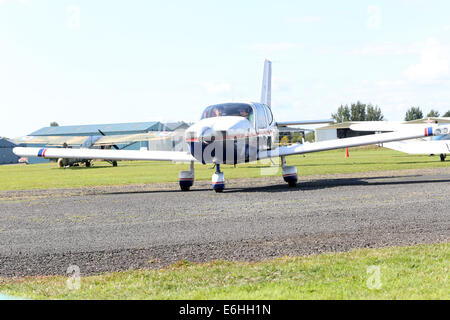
(266, 92)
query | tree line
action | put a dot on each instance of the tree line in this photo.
(367, 112)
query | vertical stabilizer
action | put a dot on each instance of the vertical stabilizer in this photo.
(266, 92)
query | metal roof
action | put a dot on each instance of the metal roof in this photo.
(4, 143)
(172, 126)
(93, 129)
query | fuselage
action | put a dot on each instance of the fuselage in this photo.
(232, 133)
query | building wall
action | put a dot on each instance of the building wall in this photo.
(326, 134)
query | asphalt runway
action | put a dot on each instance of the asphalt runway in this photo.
(102, 229)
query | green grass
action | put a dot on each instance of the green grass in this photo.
(416, 272)
(48, 176)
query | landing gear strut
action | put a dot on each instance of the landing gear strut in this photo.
(289, 173)
(186, 178)
(218, 180)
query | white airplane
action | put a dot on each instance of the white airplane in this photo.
(233, 133)
(436, 145)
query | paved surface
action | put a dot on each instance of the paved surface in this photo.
(102, 229)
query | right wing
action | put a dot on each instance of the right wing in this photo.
(411, 133)
(304, 122)
(106, 154)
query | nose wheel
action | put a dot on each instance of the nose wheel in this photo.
(218, 180)
(186, 178)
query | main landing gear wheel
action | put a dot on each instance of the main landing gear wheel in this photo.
(443, 156)
(218, 180)
(289, 173)
(186, 178)
(114, 163)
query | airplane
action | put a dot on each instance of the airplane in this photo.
(427, 146)
(234, 133)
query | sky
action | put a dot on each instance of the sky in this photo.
(109, 61)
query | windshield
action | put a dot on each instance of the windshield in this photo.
(229, 109)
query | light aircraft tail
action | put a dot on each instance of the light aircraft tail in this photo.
(266, 92)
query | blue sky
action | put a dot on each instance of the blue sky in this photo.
(87, 62)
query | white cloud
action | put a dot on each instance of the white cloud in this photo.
(216, 88)
(433, 65)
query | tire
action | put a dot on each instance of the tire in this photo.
(88, 164)
(443, 156)
(218, 190)
(185, 188)
(292, 184)
(114, 163)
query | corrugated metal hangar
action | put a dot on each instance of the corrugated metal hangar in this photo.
(111, 130)
(6, 154)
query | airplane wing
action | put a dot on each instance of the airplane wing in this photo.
(98, 141)
(411, 133)
(387, 126)
(85, 153)
(304, 122)
(129, 138)
(420, 147)
(51, 140)
(378, 126)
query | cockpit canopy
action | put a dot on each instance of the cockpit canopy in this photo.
(228, 109)
(259, 115)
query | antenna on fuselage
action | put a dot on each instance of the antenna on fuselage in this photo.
(266, 92)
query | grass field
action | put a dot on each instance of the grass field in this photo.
(416, 272)
(47, 176)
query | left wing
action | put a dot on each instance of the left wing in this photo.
(85, 153)
(412, 133)
(52, 140)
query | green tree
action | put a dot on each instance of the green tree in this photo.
(414, 113)
(374, 113)
(447, 114)
(358, 112)
(54, 124)
(433, 113)
(342, 114)
(310, 137)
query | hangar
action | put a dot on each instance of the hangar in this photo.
(6, 154)
(113, 129)
(338, 131)
(109, 129)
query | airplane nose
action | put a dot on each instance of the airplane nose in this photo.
(207, 135)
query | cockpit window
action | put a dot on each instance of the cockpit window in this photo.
(229, 109)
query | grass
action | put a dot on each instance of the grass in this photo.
(48, 176)
(416, 272)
